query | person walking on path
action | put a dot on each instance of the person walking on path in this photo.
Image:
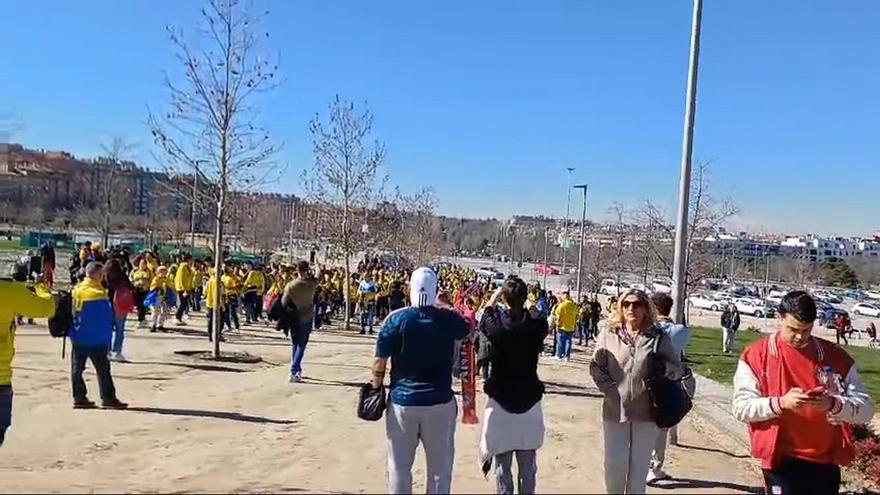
(120, 292)
(367, 302)
(842, 326)
(679, 335)
(17, 300)
(419, 340)
(513, 422)
(90, 336)
(299, 301)
(624, 357)
(160, 298)
(798, 395)
(729, 325)
(183, 285)
(565, 315)
(213, 313)
(141, 278)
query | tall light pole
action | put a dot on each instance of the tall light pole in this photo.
(544, 284)
(679, 270)
(583, 236)
(565, 222)
(192, 219)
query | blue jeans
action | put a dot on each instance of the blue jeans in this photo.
(299, 338)
(367, 316)
(563, 344)
(118, 334)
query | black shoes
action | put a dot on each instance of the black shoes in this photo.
(114, 404)
(84, 404)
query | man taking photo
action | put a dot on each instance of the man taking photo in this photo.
(799, 395)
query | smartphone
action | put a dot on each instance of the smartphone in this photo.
(816, 391)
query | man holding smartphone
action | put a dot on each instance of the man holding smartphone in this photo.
(799, 394)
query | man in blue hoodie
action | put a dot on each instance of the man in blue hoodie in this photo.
(90, 335)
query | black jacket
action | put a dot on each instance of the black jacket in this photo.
(516, 342)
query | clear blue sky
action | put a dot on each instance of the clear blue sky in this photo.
(489, 101)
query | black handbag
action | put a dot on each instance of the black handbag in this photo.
(371, 402)
(670, 401)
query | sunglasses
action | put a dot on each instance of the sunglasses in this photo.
(632, 304)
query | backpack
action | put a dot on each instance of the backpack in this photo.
(60, 324)
(20, 271)
(123, 301)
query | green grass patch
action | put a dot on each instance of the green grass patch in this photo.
(704, 352)
(10, 245)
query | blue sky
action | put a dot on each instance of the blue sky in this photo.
(490, 101)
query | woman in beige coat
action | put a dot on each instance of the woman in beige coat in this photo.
(619, 366)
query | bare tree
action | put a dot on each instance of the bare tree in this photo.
(111, 188)
(345, 175)
(209, 132)
(707, 216)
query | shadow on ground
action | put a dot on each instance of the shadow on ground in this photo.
(198, 413)
(687, 483)
(710, 449)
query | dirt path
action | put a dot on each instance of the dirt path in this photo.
(199, 426)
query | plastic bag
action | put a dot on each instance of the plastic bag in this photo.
(371, 402)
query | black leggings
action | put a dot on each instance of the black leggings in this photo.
(795, 477)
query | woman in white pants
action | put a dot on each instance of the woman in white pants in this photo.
(621, 362)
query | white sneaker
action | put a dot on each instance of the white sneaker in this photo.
(120, 358)
(295, 378)
(568, 360)
(111, 356)
(655, 475)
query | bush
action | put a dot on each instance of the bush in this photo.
(867, 458)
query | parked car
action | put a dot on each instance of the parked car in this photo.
(490, 273)
(707, 301)
(752, 307)
(872, 294)
(854, 294)
(827, 296)
(834, 313)
(660, 285)
(866, 309)
(776, 292)
(546, 270)
(609, 287)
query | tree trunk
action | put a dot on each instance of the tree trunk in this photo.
(347, 288)
(216, 325)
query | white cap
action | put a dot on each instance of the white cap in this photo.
(423, 287)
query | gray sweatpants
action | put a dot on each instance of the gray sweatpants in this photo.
(434, 427)
(628, 449)
(527, 470)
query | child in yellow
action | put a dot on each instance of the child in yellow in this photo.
(160, 286)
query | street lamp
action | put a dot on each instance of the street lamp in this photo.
(583, 234)
(679, 270)
(565, 222)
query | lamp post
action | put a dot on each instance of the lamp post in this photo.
(565, 222)
(679, 271)
(583, 234)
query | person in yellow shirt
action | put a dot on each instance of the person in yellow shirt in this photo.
(566, 317)
(254, 288)
(232, 291)
(18, 300)
(160, 298)
(183, 285)
(212, 312)
(141, 277)
(198, 283)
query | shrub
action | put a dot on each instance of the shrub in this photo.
(867, 455)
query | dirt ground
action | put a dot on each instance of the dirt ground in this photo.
(201, 426)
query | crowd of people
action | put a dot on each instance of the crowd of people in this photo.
(794, 391)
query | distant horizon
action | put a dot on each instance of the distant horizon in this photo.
(489, 103)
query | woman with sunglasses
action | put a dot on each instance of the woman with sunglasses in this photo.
(621, 362)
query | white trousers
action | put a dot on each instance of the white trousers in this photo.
(628, 449)
(434, 427)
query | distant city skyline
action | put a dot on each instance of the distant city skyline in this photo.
(489, 103)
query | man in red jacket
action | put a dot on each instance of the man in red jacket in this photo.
(799, 395)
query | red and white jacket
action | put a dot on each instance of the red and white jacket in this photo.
(759, 384)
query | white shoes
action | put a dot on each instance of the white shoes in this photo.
(655, 475)
(295, 378)
(118, 357)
